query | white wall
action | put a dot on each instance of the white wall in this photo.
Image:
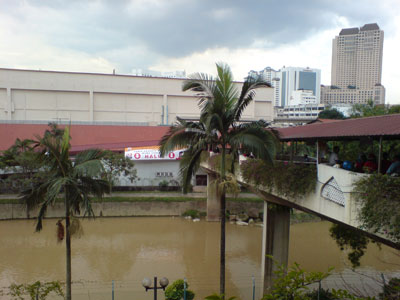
(83, 97)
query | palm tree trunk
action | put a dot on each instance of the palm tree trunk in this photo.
(68, 248)
(222, 242)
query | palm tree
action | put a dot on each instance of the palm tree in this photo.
(220, 126)
(76, 180)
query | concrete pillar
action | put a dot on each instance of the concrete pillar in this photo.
(213, 199)
(9, 104)
(275, 241)
(91, 105)
(165, 112)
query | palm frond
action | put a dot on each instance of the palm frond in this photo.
(89, 155)
(189, 164)
(255, 139)
(40, 217)
(203, 85)
(90, 168)
(180, 136)
(248, 93)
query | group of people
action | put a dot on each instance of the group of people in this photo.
(366, 164)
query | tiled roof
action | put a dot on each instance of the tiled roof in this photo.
(346, 31)
(387, 126)
(88, 136)
(371, 26)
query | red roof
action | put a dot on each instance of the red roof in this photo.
(387, 126)
(88, 136)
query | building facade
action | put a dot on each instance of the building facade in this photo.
(288, 80)
(28, 96)
(356, 67)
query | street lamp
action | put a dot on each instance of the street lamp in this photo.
(147, 285)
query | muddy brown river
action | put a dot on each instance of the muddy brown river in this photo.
(125, 250)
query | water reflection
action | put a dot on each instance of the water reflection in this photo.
(128, 249)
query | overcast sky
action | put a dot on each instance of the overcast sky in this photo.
(191, 35)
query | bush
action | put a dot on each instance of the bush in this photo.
(288, 180)
(391, 291)
(191, 213)
(379, 199)
(176, 289)
(323, 295)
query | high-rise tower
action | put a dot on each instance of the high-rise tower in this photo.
(356, 66)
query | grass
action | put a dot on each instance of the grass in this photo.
(143, 199)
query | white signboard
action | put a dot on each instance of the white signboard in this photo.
(152, 154)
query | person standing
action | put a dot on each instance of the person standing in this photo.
(334, 156)
(395, 166)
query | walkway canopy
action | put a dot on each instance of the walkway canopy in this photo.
(386, 127)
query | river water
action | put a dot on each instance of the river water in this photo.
(125, 250)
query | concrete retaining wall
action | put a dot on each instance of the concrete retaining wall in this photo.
(124, 209)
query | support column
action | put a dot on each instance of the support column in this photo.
(9, 104)
(165, 112)
(213, 199)
(275, 241)
(91, 105)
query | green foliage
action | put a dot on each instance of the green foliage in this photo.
(370, 110)
(175, 291)
(346, 237)
(379, 199)
(218, 297)
(293, 283)
(163, 184)
(321, 294)
(116, 165)
(193, 213)
(391, 291)
(288, 180)
(36, 291)
(20, 161)
(331, 114)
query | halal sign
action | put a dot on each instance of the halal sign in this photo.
(152, 154)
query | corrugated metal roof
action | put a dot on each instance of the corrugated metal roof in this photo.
(88, 136)
(387, 126)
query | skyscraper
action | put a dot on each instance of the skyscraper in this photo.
(288, 80)
(356, 66)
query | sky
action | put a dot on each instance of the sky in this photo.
(191, 35)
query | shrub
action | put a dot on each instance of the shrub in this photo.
(391, 291)
(379, 198)
(176, 289)
(288, 180)
(191, 213)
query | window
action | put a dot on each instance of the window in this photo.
(201, 180)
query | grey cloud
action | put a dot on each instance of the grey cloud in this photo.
(175, 28)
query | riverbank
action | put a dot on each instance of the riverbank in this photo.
(151, 204)
(136, 204)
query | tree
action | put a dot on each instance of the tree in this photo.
(371, 109)
(116, 165)
(19, 161)
(219, 127)
(75, 180)
(331, 114)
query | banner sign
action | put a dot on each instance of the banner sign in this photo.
(152, 154)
